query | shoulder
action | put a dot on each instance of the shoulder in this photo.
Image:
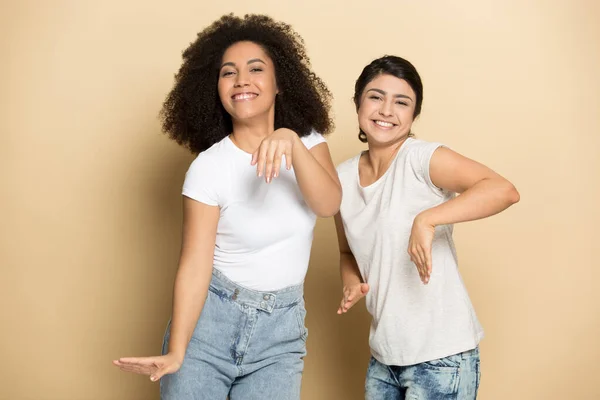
(312, 139)
(209, 165)
(205, 178)
(419, 152)
(211, 157)
(347, 169)
(418, 146)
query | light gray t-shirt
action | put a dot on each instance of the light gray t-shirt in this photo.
(412, 322)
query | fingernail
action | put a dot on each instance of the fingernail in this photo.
(153, 378)
(268, 179)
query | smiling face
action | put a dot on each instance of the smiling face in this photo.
(386, 110)
(247, 84)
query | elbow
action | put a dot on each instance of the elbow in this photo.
(511, 194)
(326, 213)
(330, 207)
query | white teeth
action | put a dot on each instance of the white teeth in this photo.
(384, 124)
(244, 96)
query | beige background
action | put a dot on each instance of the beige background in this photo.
(90, 190)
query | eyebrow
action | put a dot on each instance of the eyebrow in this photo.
(249, 62)
(403, 96)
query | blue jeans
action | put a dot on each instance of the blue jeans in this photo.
(247, 345)
(455, 377)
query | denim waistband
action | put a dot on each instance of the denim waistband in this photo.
(266, 301)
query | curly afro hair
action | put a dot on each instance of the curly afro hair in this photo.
(193, 115)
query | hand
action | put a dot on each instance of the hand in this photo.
(268, 155)
(419, 247)
(352, 294)
(156, 367)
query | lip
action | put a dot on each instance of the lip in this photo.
(244, 96)
(390, 126)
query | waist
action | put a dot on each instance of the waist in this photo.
(266, 300)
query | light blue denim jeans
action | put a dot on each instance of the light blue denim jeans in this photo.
(247, 345)
(451, 378)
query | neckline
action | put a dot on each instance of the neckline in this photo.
(382, 177)
(239, 150)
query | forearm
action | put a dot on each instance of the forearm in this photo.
(190, 291)
(321, 191)
(349, 271)
(487, 197)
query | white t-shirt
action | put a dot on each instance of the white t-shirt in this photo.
(265, 231)
(412, 322)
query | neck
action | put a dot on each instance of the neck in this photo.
(249, 133)
(378, 158)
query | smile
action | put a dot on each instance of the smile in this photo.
(244, 96)
(384, 124)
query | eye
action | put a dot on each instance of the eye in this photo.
(256, 69)
(402, 103)
(227, 73)
(373, 97)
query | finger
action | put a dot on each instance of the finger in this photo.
(414, 258)
(288, 159)
(423, 259)
(428, 261)
(161, 372)
(269, 161)
(349, 295)
(277, 161)
(420, 261)
(254, 158)
(349, 305)
(364, 288)
(137, 369)
(262, 154)
(137, 360)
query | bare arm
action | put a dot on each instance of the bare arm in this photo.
(317, 178)
(482, 193)
(191, 287)
(353, 288)
(194, 273)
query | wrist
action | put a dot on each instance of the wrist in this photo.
(425, 218)
(178, 356)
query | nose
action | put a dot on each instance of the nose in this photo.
(386, 109)
(241, 80)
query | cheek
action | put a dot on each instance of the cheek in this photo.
(406, 116)
(268, 87)
(222, 92)
(364, 113)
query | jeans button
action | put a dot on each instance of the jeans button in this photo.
(263, 304)
(266, 297)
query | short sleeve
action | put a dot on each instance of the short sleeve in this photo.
(202, 180)
(421, 160)
(313, 139)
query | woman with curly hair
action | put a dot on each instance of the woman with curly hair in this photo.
(246, 100)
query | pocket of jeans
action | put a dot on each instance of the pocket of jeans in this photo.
(166, 336)
(445, 362)
(301, 316)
